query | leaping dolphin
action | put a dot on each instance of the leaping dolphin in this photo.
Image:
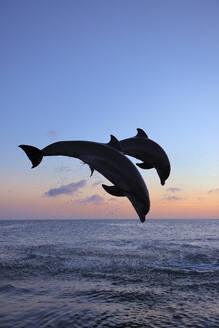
(108, 160)
(152, 155)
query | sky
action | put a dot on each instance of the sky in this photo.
(82, 70)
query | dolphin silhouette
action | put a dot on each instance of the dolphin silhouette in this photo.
(152, 155)
(108, 160)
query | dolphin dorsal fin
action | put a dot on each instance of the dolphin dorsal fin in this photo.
(141, 134)
(114, 143)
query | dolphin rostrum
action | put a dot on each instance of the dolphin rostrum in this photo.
(108, 160)
(149, 152)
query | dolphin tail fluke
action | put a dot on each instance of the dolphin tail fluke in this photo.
(34, 154)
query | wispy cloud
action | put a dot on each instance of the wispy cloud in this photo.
(213, 191)
(95, 199)
(65, 189)
(173, 198)
(63, 169)
(96, 183)
(173, 190)
(52, 133)
(112, 199)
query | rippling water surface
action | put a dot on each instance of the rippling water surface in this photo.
(109, 273)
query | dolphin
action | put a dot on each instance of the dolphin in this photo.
(149, 152)
(108, 160)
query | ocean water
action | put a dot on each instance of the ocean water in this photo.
(109, 273)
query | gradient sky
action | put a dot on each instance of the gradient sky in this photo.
(82, 70)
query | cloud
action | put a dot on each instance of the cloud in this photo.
(65, 189)
(173, 198)
(95, 199)
(96, 183)
(63, 169)
(112, 199)
(173, 190)
(52, 133)
(213, 191)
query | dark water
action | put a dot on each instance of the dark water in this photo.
(112, 273)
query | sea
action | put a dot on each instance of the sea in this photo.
(109, 273)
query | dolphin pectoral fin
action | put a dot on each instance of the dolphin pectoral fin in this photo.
(92, 170)
(114, 143)
(114, 190)
(34, 154)
(141, 134)
(145, 165)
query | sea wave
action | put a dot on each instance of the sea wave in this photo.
(59, 260)
(109, 274)
(10, 289)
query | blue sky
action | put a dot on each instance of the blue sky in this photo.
(82, 70)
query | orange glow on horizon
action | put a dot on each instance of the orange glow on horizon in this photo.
(30, 203)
